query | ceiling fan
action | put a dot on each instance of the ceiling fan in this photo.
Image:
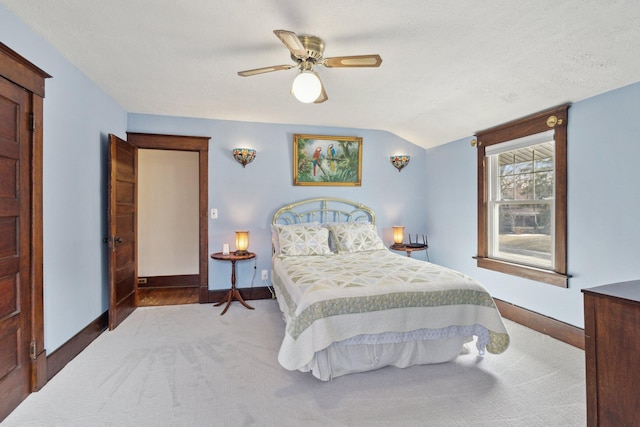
(306, 52)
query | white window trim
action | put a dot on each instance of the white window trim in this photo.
(493, 203)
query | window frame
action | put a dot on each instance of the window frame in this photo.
(554, 118)
(496, 198)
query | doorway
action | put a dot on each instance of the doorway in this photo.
(188, 283)
(168, 225)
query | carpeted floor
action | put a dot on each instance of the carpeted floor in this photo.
(189, 366)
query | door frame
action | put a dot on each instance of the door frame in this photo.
(23, 73)
(199, 144)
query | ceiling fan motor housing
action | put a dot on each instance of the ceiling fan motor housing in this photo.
(314, 47)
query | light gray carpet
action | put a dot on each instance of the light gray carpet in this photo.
(189, 366)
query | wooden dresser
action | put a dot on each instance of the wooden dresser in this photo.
(612, 351)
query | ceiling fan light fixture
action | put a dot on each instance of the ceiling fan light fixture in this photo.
(306, 87)
(306, 52)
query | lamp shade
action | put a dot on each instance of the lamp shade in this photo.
(306, 87)
(398, 234)
(244, 155)
(242, 242)
(400, 161)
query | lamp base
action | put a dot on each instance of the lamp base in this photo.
(241, 253)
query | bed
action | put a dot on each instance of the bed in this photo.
(351, 305)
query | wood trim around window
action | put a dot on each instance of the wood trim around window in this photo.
(553, 118)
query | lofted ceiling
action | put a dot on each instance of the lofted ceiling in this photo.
(449, 68)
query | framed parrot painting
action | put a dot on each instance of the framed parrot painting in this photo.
(327, 160)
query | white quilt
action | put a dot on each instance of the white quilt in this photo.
(338, 297)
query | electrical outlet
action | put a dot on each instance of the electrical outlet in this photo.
(214, 213)
(265, 274)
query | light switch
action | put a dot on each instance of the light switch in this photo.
(214, 213)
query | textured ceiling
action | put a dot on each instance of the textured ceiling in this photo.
(449, 68)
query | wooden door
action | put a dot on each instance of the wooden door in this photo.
(122, 219)
(15, 235)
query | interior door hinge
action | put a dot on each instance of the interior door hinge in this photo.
(33, 348)
(32, 121)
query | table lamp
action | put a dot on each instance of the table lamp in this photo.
(242, 242)
(398, 234)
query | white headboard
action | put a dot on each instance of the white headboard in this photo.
(323, 209)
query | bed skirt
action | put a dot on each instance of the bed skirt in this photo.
(338, 359)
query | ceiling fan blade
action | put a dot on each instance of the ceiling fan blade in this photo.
(323, 94)
(292, 42)
(353, 61)
(248, 73)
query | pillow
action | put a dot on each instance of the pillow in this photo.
(332, 240)
(355, 236)
(274, 233)
(302, 240)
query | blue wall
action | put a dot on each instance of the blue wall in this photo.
(247, 198)
(77, 119)
(603, 207)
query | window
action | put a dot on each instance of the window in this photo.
(521, 201)
(522, 197)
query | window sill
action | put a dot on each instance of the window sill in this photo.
(532, 273)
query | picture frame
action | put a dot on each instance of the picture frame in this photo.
(323, 160)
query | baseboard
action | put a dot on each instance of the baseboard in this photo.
(176, 281)
(561, 331)
(70, 349)
(247, 294)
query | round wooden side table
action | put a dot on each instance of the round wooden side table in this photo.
(233, 292)
(408, 248)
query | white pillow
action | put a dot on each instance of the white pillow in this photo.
(332, 240)
(302, 239)
(274, 233)
(355, 237)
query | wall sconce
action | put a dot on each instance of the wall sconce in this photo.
(398, 234)
(242, 242)
(400, 161)
(244, 155)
